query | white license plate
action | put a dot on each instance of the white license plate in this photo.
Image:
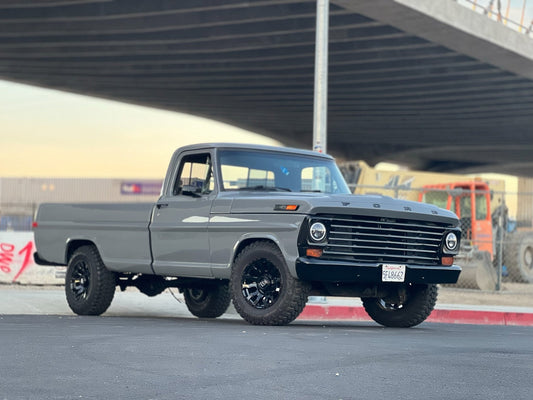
(392, 273)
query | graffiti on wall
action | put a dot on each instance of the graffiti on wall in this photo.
(16, 260)
(8, 261)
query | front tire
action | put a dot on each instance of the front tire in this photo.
(263, 290)
(208, 302)
(89, 285)
(417, 305)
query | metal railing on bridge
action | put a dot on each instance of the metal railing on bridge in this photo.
(510, 13)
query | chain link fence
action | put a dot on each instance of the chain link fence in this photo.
(16, 217)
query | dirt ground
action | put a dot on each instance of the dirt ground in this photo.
(511, 294)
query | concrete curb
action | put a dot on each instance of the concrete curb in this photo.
(458, 316)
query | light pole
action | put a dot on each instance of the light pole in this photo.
(320, 115)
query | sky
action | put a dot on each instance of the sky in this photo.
(48, 133)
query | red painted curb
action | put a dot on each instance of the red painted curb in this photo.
(333, 313)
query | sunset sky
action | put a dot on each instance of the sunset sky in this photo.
(47, 133)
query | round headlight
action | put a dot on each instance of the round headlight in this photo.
(317, 231)
(451, 241)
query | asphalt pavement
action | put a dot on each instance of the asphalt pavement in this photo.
(119, 357)
(153, 348)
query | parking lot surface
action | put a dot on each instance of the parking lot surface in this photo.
(152, 348)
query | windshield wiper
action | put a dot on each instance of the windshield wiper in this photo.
(266, 188)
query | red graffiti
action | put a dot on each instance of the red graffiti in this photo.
(6, 257)
(27, 251)
(7, 254)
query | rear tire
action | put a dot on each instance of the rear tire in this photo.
(263, 290)
(89, 285)
(519, 257)
(417, 306)
(208, 302)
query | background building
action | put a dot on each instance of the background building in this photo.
(20, 197)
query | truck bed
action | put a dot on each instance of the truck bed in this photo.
(119, 230)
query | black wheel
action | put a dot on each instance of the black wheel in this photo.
(263, 290)
(208, 302)
(89, 285)
(519, 257)
(418, 303)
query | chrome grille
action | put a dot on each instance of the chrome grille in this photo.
(383, 240)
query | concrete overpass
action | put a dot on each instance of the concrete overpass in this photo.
(430, 84)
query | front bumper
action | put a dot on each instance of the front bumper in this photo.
(315, 269)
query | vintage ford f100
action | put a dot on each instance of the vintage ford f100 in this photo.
(263, 226)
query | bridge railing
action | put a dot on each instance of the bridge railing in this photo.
(513, 14)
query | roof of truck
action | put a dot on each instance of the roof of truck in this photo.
(248, 146)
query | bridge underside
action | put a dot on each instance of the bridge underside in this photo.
(403, 86)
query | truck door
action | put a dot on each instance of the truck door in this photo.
(180, 245)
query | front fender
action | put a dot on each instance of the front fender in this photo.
(282, 230)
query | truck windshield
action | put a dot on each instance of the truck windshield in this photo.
(273, 171)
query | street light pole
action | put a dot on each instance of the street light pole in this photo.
(320, 116)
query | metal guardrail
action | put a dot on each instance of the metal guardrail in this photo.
(499, 11)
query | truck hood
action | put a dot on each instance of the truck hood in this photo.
(318, 203)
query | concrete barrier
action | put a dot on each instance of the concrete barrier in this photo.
(17, 265)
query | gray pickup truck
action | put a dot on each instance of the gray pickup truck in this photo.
(263, 226)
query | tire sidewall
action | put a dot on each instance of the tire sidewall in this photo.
(514, 257)
(270, 315)
(526, 272)
(215, 301)
(80, 306)
(101, 288)
(418, 306)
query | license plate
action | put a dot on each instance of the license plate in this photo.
(393, 273)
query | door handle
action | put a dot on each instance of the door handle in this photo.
(161, 205)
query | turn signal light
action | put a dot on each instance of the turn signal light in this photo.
(286, 207)
(447, 260)
(313, 252)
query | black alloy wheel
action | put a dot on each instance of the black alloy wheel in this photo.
(263, 290)
(261, 284)
(80, 280)
(89, 285)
